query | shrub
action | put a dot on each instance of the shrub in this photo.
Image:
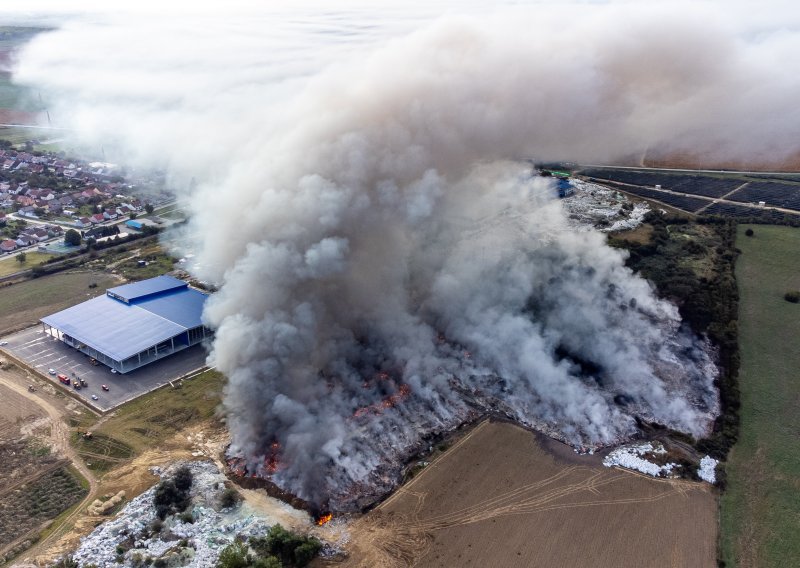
(749, 232)
(234, 556)
(792, 296)
(186, 517)
(172, 495)
(183, 478)
(229, 498)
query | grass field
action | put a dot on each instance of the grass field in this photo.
(11, 265)
(500, 498)
(25, 302)
(760, 510)
(147, 421)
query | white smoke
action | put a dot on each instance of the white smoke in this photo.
(386, 272)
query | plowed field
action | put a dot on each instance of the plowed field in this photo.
(499, 498)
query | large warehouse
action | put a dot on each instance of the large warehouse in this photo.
(135, 324)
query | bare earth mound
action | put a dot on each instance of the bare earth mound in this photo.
(499, 498)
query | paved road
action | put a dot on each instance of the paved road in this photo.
(43, 352)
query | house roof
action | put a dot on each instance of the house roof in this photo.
(156, 310)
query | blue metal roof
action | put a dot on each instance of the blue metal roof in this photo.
(139, 290)
(121, 330)
(184, 307)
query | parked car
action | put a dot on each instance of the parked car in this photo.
(3, 343)
(51, 371)
(94, 397)
(104, 387)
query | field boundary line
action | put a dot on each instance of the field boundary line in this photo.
(402, 489)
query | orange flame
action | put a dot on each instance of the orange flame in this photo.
(324, 519)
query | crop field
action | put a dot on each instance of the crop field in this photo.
(23, 303)
(503, 496)
(27, 507)
(760, 509)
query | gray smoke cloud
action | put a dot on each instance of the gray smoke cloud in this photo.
(387, 270)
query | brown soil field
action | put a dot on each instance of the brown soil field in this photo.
(17, 412)
(503, 496)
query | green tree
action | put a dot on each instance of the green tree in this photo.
(72, 238)
(306, 552)
(267, 562)
(149, 208)
(234, 556)
(21, 257)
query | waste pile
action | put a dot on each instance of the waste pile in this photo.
(194, 538)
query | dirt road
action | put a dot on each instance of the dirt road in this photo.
(59, 441)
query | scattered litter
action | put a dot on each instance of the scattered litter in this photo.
(708, 469)
(632, 457)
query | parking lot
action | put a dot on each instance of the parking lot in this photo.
(43, 352)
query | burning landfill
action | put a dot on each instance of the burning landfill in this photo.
(384, 273)
(522, 316)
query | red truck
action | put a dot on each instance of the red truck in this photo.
(63, 378)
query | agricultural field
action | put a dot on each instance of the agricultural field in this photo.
(503, 496)
(36, 484)
(760, 510)
(23, 303)
(28, 506)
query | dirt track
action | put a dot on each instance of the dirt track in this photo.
(58, 438)
(498, 498)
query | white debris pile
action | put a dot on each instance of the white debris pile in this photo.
(634, 457)
(603, 209)
(708, 469)
(194, 544)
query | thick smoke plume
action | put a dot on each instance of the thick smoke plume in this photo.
(386, 269)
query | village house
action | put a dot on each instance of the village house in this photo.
(8, 246)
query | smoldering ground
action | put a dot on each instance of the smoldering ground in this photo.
(386, 270)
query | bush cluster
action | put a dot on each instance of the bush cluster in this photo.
(279, 548)
(172, 495)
